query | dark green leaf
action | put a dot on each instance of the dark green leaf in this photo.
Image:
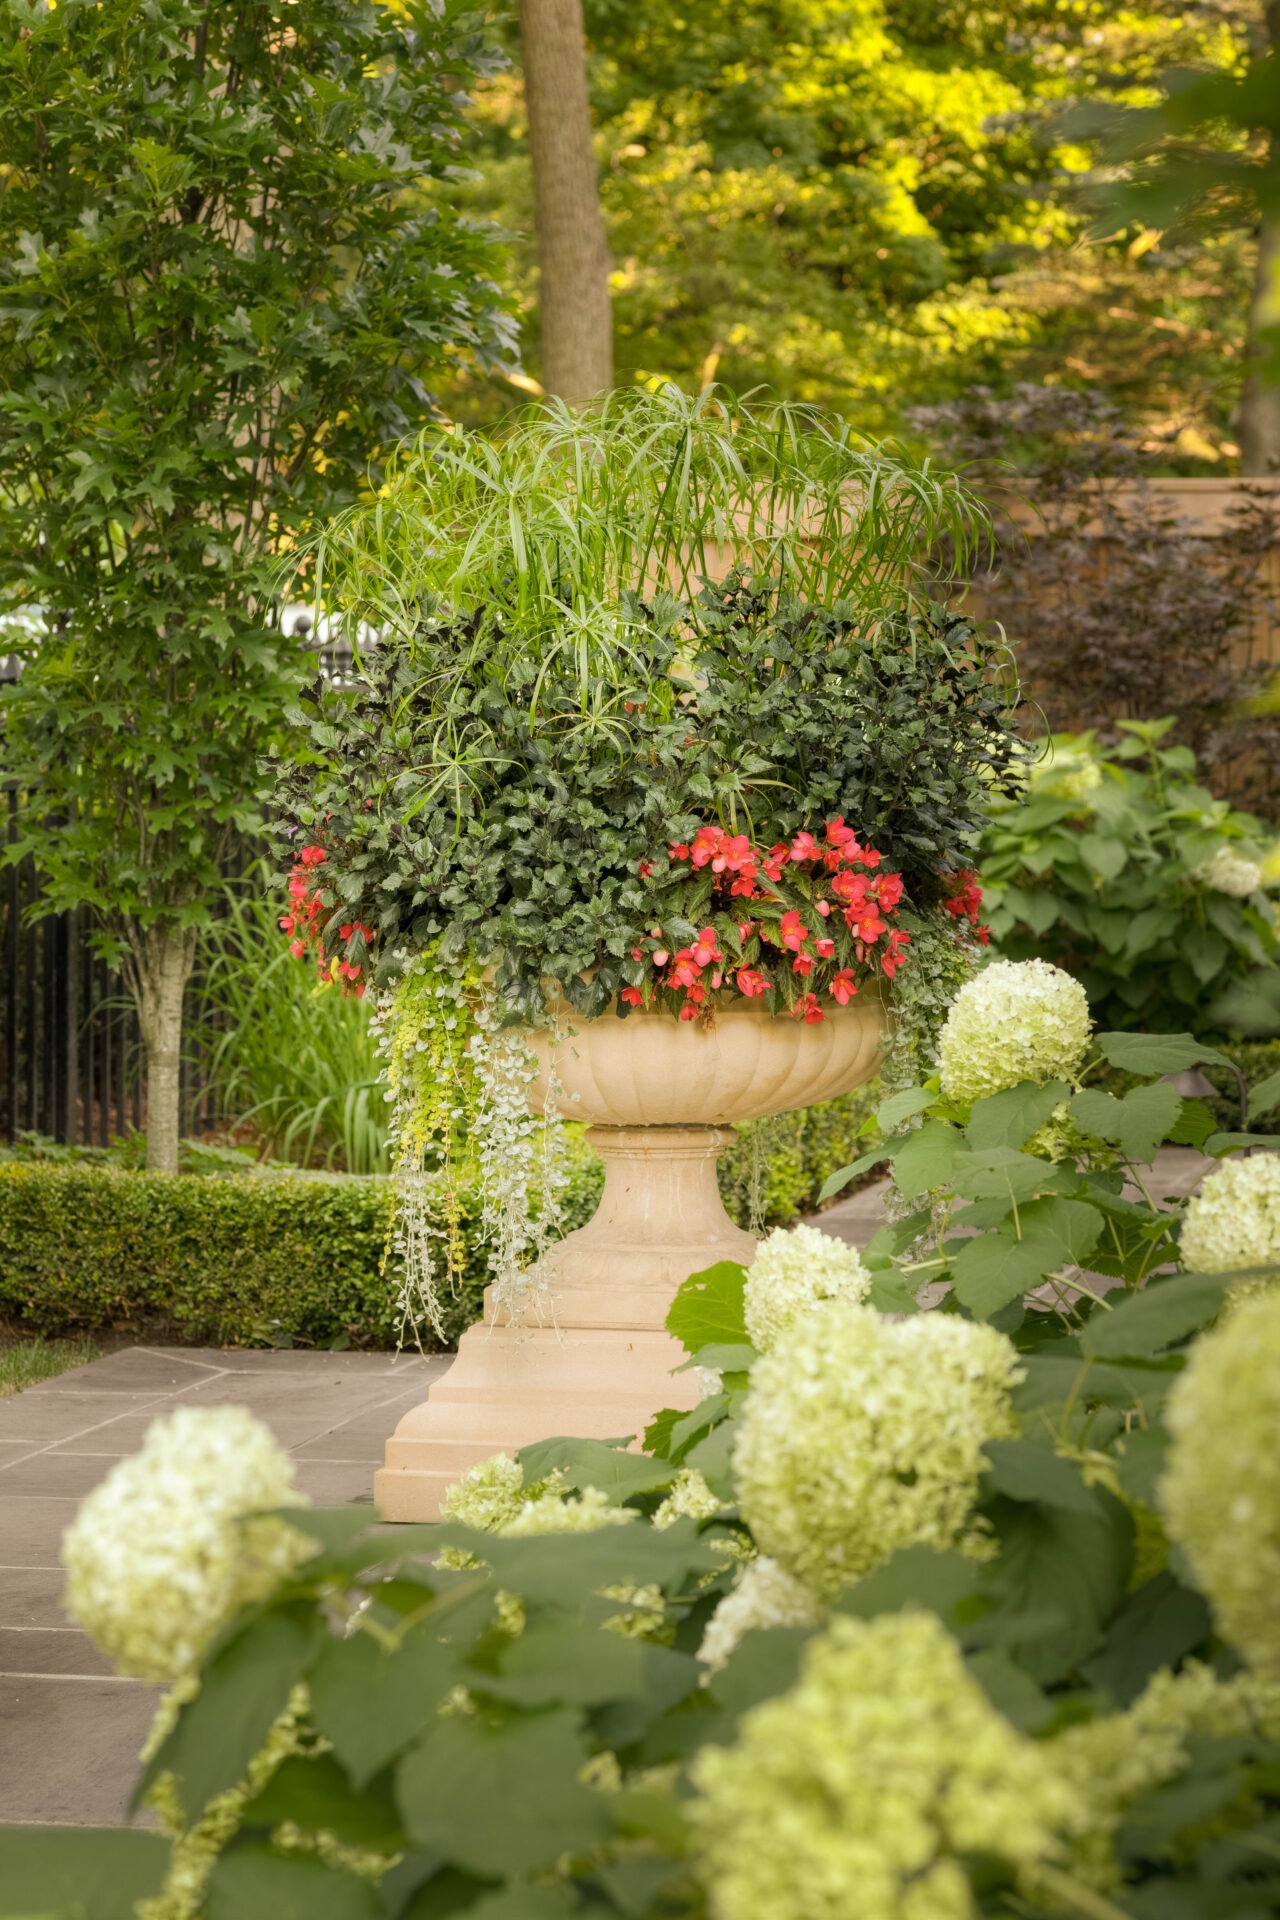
(243, 1689)
(902, 1106)
(256, 1883)
(837, 1181)
(77, 1873)
(1059, 1576)
(371, 1700)
(315, 1792)
(1001, 1172)
(1140, 1462)
(1158, 1626)
(947, 1584)
(1193, 1126)
(1021, 1470)
(892, 1293)
(1265, 1097)
(567, 1663)
(502, 1798)
(1166, 1310)
(708, 1307)
(1011, 1691)
(1218, 1145)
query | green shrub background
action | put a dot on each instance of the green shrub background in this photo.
(284, 1258)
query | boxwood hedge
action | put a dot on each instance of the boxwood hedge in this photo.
(279, 1258)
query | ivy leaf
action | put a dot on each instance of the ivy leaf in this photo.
(502, 1798)
(708, 1308)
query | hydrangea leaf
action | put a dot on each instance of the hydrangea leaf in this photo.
(1193, 1125)
(708, 1307)
(372, 1700)
(993, 1269)
(1218, 1145)
(1165, 1311)
(902, 1106)
(892, 1293)
(1154, 1053)
(836, 1181)
(948, 1584)
(1137, 1123)
(502, 1798)
(1141, 1463)
(559, 1571)
(1265, 1097)
(1158, 1626)
(925, 1159)
(561, 1662)
(1002, 1171)
(595, 1463)
(1011, 1691)
(724, 1356)
(1009, 1119)
(761, 1666)
(1021, 1470)
(257, 1883)
(314, 1791)
(62, 1870)
(526, 1902)
(243, 1688)
(1059, 1575)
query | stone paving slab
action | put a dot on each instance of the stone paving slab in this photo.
(71, 1730)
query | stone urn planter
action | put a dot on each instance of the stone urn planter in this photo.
(660, 1095)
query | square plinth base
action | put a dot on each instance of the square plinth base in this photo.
(508, 1388)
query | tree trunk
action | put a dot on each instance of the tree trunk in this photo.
(573, 254)
(157, 970)
(1258, 415)
(1258, 420)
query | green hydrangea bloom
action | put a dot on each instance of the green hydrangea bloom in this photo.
(1114, 1759)
(1234, 1221)
(860, 1792)
(1016, 1020)
(688, 1498)
(862, 1435)
(795, 1269)
(1220, 1495)
(766, 1596)
(488, 1495)
(558, 1513)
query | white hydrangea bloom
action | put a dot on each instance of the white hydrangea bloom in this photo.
(793, 1270)
(166, 1551)
(1220, 1494)
(689, 1498)
(1229, 871)
(863, 1790)
(862, 1435)
(1234, 1220)
(766, 1596)
(1016, 1020)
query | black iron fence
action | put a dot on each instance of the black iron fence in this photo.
(71, 1052)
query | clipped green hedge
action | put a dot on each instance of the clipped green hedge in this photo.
(282, 1259)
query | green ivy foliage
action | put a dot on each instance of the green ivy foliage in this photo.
(467, 795)
(1096, 869)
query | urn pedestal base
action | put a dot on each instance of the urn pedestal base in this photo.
(604, 1368)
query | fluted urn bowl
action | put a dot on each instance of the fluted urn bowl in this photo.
(652, 1070)
(660, 1096)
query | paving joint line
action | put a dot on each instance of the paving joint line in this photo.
(82, 1432)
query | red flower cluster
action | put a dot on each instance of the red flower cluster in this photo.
(839, 883)
(307, 920)
(966, 902)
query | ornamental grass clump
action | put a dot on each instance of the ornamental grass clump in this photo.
(179, 1537)
(1018, 1020)
(1220, 1494)
(862, 1435)
(868, 1788)
(794, 1270)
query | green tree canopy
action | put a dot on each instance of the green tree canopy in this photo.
(229, 270)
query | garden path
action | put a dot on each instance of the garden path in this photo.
(70, 1730)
